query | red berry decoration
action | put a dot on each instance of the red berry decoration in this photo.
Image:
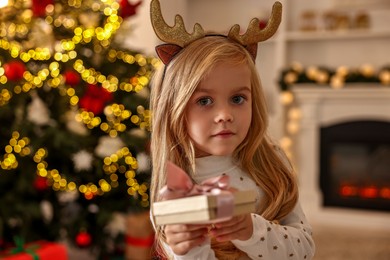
(71, 78)
(40, 183)
(95, 99)
(83, 239)
(14, 70)
(127, 9)
(39, 7)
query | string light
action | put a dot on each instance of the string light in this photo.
(112, 167)
(16, 146)
(3, 3)
(5, 96)
(48, 75)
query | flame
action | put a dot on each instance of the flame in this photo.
(348, 191)
(364, 192)
(369, 192)
(385, 193)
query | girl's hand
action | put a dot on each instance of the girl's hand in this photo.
(182, 238)
(239, 227)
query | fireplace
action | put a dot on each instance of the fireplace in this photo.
(355, 165)
(341, 153)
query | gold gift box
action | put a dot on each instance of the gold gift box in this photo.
(200, 208)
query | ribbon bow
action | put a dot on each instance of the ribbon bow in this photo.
(180, 185)
(21, 248)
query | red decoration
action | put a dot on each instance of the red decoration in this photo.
(39, 7)
(14, 70)
(95, 99)
(83, 239)
(40, 183)
(71, 78)
(140, 241)
(127, 9)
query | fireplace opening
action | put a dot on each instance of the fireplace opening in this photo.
(355, 165)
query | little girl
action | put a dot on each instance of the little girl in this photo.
(210, 118)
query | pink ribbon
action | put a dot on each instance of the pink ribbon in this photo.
(179, 185)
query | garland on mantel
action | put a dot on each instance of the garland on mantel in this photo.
(335, 78)
(320, 76)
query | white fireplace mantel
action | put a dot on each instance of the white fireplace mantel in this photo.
(325, 106)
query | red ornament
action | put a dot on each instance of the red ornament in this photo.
(71, 78)
(40, 183)
(83, 239)
(95, 99)
(39, 7)
(14, 70)
(127, 9)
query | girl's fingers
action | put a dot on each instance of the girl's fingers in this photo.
(179, 237)
(183, 228)
(235, 221)
(184, 247)
(226, 229)
(239, 227)
(227, 235)
(182, 238)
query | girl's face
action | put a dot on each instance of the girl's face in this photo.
(219, 112)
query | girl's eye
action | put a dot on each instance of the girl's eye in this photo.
(205, 101)
(238, 99)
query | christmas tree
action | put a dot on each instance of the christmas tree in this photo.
(74, 122)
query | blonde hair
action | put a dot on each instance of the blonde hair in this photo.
(172, 88)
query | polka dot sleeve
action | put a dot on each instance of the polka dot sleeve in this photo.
(291, 239)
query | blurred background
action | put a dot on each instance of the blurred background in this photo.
(74, 119)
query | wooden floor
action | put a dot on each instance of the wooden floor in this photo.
(335, 243)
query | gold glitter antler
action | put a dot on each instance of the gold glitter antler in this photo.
(176, 34)
(254, 34)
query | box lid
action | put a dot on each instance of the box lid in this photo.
(198, 203)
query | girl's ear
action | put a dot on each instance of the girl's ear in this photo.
(166, 52)
(252, 49)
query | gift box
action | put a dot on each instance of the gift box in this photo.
(208, 208)
(40, 250)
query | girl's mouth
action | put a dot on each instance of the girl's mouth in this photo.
(224, 133)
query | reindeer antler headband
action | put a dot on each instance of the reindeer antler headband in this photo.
(178, 38)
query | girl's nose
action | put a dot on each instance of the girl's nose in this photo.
(224, 114)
